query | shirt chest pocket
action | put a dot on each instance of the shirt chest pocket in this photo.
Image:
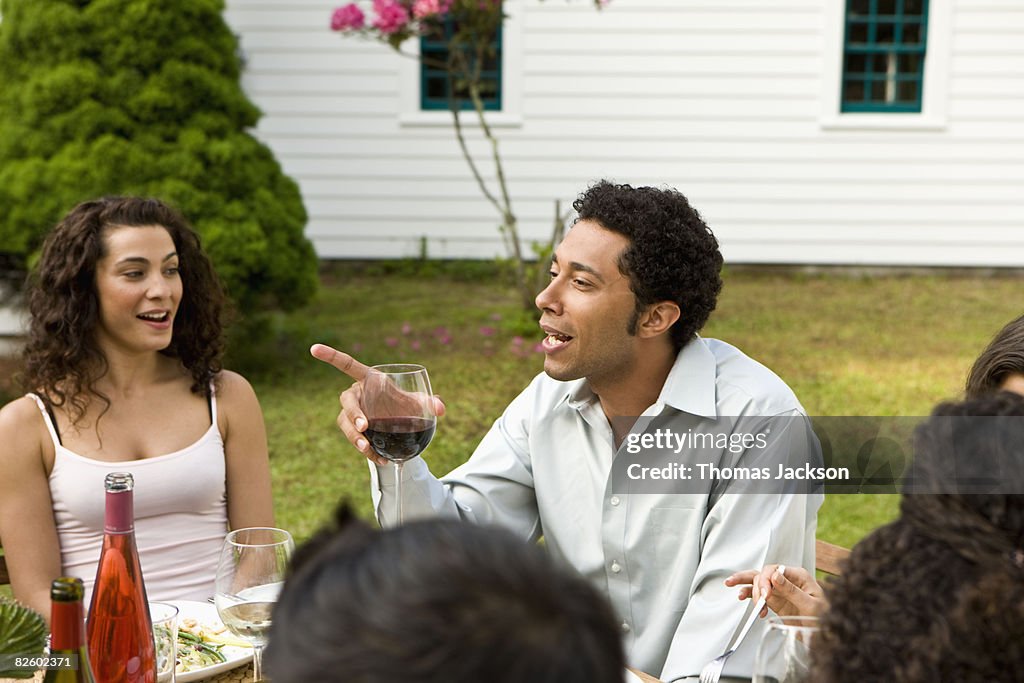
(675, 538)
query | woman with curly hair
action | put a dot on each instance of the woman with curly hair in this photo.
(938, 595)
(123, 369)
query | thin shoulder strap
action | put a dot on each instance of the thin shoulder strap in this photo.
(213, 404)
(44, 408)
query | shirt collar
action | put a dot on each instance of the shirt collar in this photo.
(689, 387)
(579, 394)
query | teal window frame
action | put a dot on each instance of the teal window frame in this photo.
(884, 49)
(435, 84)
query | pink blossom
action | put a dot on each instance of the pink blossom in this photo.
(422, 9)
(445, 339)
(440, 332)
(538, 348)
(414, 345)
(487, 331)
(348, 18)
(357, 347)
(392, 17)
(517, 341)
(391, 341)
(495, 316)
(406, 329)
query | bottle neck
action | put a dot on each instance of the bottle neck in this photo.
(120, 512)
(66, 622)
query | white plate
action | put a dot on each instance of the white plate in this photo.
(206, 613)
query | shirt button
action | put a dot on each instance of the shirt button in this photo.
(616, 567)
(625, 627)
(614, 500)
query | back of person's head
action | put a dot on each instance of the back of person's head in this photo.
(437, 601)
(938, 595)
(1003, 357)
(672, 253)
(61, 357)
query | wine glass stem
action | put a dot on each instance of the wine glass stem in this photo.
(257, 663)
(398, 492)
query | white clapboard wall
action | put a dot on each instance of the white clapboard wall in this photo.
(731, 101)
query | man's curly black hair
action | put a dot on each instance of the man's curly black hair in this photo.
(672, 254)
(938, 595)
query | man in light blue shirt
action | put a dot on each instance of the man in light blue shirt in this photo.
(631, 285)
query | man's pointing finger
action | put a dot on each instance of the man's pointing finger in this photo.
(342, 361)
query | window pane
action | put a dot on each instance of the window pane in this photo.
(856, 64)
(887, 7)
(906, 91)
(858, 32)
(880, 62)
(911, 33)
(912, 7)
(437, 88)
(885, 32)
(909, 64)
(859, 7)
(878, 91)
(853, 91)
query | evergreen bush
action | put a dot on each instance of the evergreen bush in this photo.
(143, 97)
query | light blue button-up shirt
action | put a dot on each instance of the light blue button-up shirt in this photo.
(545, 469)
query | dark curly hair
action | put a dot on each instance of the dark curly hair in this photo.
(61, 358)
(1003, 356)
(938, 595)
(672, 254)
(435, 601)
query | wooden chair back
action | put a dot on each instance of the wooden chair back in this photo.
(829, 558)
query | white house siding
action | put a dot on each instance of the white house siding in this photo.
(727, 100)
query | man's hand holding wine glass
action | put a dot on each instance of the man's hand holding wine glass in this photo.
(352, 419)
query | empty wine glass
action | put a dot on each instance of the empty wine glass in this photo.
(784, 655)
(399, 407)
(250, 575)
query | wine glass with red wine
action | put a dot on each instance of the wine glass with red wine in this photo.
(399, 407)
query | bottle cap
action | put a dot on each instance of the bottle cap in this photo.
(67, 589)
(119, 481)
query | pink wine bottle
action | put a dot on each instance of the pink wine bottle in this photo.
(120, 632)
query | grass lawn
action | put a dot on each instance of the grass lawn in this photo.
(847, 346)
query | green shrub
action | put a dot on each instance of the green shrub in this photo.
(143, 97)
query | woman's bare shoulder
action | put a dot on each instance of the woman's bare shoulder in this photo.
(21, 428)
(231, 385)
(235, 395)
(18, 414)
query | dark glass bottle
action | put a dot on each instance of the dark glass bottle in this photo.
(120, 632)
(67, 633)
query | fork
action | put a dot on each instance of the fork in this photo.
(712, 671)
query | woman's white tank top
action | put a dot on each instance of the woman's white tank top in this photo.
(180, 513)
